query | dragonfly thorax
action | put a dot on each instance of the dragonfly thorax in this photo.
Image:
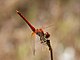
(39, 32)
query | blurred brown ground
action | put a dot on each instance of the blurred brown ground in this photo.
(15, 35)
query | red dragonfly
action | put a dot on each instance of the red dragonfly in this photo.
(43, 36)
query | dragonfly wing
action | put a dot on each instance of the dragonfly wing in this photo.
(33, 42)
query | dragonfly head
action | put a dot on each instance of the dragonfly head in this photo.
(47, 35)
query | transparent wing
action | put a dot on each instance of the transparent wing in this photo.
(46, 27)
(33, 42)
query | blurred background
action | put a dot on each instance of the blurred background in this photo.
(62, 17)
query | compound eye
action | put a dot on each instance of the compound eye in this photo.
(47, 35)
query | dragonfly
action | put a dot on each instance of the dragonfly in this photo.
(44, 37)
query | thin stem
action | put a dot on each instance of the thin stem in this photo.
(50, 49)
(51, 53)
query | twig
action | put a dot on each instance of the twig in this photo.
(50, 48)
